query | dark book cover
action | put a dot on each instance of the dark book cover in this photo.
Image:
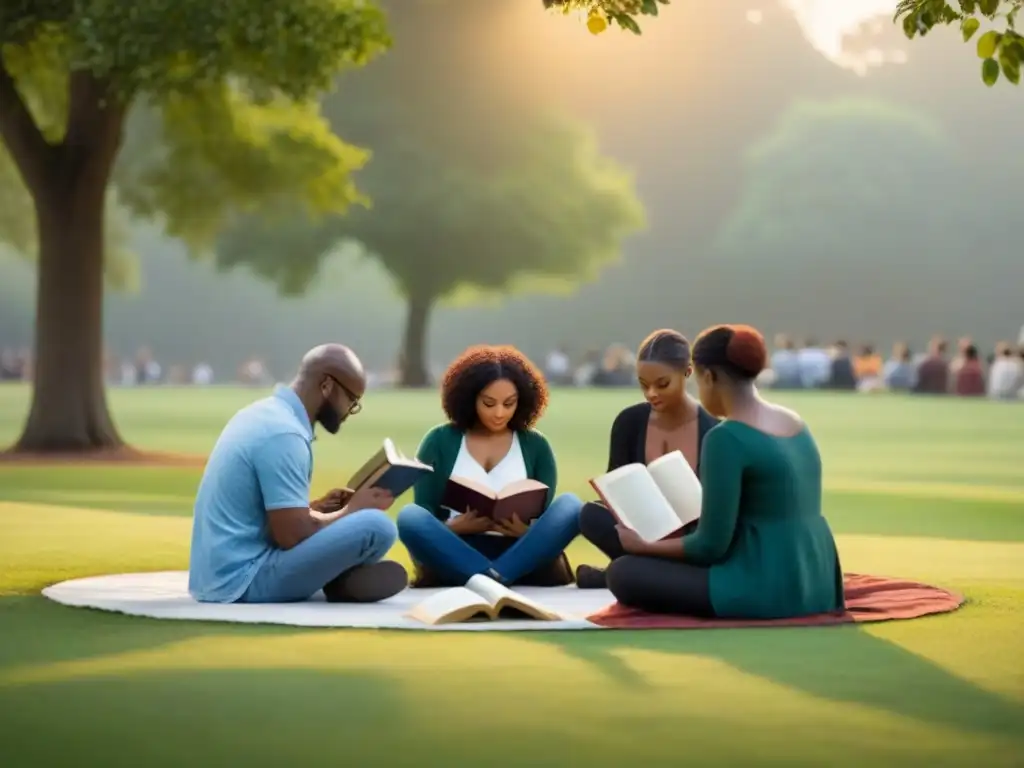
(526, 499)
(462, 497)
(399, 478)
(390, 469)
(527, 505)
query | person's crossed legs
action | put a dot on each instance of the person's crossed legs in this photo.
(434, 545)
(343, 559)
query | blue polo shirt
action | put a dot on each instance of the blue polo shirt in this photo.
(263, 460)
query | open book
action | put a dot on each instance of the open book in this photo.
(526, 499)
(482, 599)
(654, 500)
(389, 468)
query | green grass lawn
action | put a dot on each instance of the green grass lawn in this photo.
(914, 487)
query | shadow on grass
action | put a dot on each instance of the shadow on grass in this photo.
(207, 718)
(37, 630)
(843, 664)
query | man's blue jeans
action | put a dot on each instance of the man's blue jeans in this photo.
(296, 574)
(432, 544)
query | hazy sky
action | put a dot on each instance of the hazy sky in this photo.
(826, 22)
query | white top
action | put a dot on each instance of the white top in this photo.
(511, 469)
(1006, 377)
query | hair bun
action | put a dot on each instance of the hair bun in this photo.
(746, 350)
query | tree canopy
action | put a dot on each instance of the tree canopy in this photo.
(841, 192)
(999, 46)
(230, 88)
(530, 204)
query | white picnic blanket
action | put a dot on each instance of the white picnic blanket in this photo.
(164, 595)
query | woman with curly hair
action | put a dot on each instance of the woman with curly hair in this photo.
(761, 549)
(668, 420)
(493, 397)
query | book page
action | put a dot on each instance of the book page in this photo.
(396, 458)
(501, 596)
(374, 465)
(521, 486)
(679, 483)
(638, 502)
(391, 451)
(487, 588)
(474, 486)
(450, 606)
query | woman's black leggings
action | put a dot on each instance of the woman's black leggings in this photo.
(651, 584)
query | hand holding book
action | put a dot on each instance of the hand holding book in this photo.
(656, 501)
(469, 523)
(631, 541)
(511, 526)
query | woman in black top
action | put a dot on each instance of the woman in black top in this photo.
(669, 420)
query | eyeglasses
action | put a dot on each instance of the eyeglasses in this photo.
(356, 406)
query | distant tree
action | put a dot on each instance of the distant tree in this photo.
(847, 205)
(227, 86)
(460, 210)
(1000, 48)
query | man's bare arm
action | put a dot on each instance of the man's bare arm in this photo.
(292, 526)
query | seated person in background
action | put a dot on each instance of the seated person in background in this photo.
(762, 549)
(970, 378)
(959, 358)
(493, 397)
(1006, 376)
(815, 365)
(669, 420)
(899, 373)
(933, 371)
(256, 536)
(785, 364)
(867, 367)
(841, 374)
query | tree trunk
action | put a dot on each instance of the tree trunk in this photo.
(68, 183)
(69, 411)
(413, 364)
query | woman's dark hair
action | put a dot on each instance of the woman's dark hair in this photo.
(738, 350)
(480, 366)
(971, 352)
(666, 347)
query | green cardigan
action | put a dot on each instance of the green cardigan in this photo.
(761, 533)
(440, 448)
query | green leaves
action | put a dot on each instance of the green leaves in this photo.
(988, 43)
(217, 153)
(1001, 50)
(159, 46)
(989, 71)
(622, 12)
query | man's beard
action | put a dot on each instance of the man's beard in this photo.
(329, 418)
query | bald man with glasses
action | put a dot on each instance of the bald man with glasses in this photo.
(256, 536)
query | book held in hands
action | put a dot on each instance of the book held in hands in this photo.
(482, 599)
(390, 469)
(526, 499)
(656, 500)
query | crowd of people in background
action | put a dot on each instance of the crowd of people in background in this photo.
(811, 365)
(999, 374)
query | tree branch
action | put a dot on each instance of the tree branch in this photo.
(18, 129)
(95, 125)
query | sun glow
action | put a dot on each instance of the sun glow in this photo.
(826, 23)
